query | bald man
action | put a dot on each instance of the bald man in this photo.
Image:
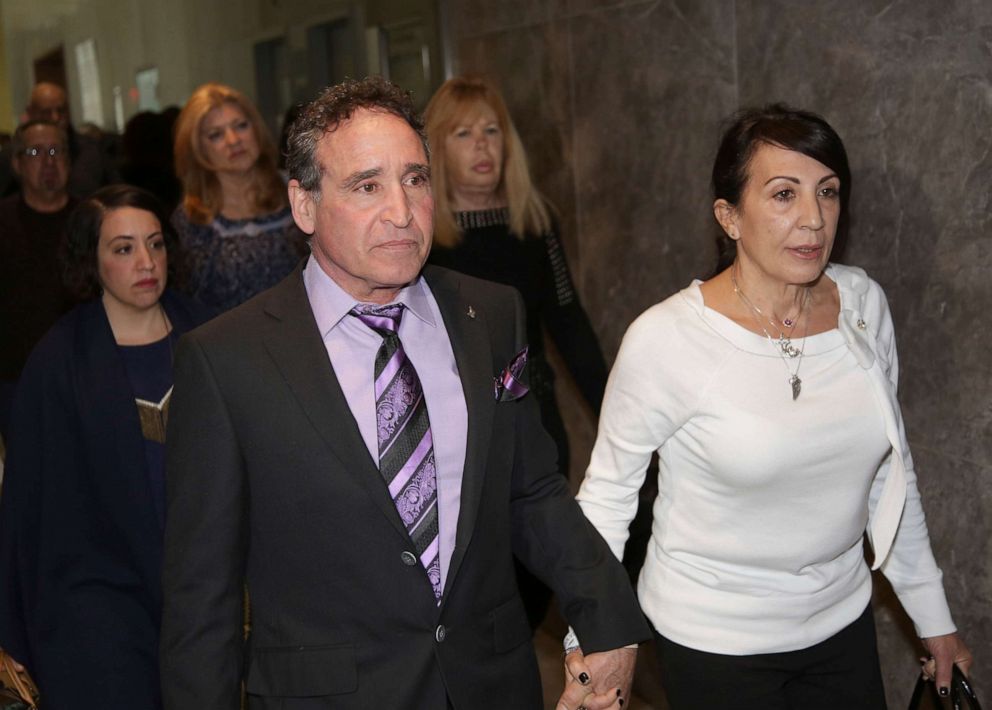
(93, 165)
(32, 225)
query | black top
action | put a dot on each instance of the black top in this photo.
(536, 267)
(149, 370)
(31, 297)
(80, 546)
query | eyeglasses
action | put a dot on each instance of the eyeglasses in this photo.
(39, 152)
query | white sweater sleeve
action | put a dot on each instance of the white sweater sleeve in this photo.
(910, 566)
(647, 399)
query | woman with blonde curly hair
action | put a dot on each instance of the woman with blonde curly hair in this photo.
(492, 223)
(234, 220)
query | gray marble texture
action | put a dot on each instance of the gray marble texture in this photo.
(619, 103)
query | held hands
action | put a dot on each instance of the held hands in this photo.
(945, 651)
(599, 681)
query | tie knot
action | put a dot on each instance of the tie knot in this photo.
(384, 320)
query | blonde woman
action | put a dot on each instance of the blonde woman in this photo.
(492, 223)
(234, 220)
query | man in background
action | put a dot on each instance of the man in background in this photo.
(91, 159)
(32, 228)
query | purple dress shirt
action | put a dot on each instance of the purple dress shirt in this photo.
(352, 346)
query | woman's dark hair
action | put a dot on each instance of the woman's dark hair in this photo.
(79, 253)
(778, 125)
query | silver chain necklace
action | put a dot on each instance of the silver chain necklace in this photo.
(784, 341)
(783, 347)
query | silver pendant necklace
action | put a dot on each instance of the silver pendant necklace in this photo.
(784, 341)
(783, 347)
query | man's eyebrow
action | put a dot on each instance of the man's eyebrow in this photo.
(354, 179)
(420, 168)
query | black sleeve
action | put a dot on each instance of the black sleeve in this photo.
(20, 516)
(206, 542)
(40, 444)
(556, 542)
(568, 324)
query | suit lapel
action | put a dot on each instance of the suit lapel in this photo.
(470, 342)
(295, 345)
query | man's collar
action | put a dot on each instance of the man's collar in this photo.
(330, 303)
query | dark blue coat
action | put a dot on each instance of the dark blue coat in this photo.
(80, 544)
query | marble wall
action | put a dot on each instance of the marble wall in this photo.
(619, 104)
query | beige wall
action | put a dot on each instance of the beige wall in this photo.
(7, 113)
(190, 41)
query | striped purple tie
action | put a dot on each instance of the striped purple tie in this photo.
(406, 448)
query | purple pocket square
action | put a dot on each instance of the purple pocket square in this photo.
(508, 386)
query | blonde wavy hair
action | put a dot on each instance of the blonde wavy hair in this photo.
(202, 198)
(454, 104)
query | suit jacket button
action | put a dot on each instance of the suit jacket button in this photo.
(440, 633)
(409, 559)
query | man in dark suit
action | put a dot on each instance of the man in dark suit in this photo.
(356, 445)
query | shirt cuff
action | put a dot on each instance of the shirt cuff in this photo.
(928, 609)
(571, 642)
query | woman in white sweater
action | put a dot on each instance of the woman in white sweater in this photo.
(769, 393)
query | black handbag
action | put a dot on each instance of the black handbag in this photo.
(962, 696)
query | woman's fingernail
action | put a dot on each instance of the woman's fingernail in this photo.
(583, 677)
(943, 691)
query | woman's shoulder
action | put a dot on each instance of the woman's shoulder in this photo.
(186, 313)
(59, 344)
(186, 228)
(858, 291)
(681, 306)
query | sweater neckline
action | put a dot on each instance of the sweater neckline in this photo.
(743, 339)
(491, 217)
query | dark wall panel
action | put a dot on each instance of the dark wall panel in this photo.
(619, 104)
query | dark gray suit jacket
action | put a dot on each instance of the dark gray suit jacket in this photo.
(269, 481)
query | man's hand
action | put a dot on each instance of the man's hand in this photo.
(599, 681)
(945, 652)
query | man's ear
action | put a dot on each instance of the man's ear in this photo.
(726, 215)
(304, 207)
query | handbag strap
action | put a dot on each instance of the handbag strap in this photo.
(961, 686)
(20, 686)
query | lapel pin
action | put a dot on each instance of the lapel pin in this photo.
(471, 312)
(861, 323)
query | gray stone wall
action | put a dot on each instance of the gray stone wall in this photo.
(619, 105)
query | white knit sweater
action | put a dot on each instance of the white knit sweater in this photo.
(756, 544)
